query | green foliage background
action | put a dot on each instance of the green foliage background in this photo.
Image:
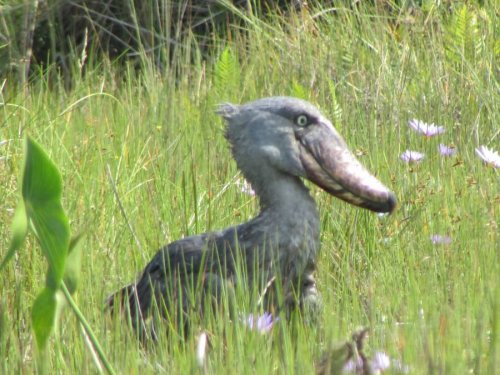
(370, 69)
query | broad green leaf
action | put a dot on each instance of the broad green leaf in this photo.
(73, 262)
(42, 186)
(43, 315)
(51, 227)
(41, 180)
(19, 231)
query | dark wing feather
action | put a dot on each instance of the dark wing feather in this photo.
(174, 269)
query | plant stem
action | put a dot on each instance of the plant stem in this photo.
(88, 330)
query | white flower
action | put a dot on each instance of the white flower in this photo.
(490, 157)
(429, 130)
(201, 349)
(412, 156)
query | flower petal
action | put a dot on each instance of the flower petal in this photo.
(412, 156)
(490, 157)
(380, 362)
(438, 239)
(245, 186)
(429, 130)
(446, 150)
(262, 323)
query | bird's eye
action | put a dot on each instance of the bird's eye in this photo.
(302, 120)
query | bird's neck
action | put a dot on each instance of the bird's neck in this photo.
(287, 229)
(284, 195)
(289, 211)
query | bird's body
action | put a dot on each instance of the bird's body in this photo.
(276, 142)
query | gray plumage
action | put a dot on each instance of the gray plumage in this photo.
(276, 142)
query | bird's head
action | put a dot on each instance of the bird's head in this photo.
(292, 137)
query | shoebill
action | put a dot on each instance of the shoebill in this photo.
(277, 142)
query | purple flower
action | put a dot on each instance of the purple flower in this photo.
(412, 156)
(354, 365)
(245, 187)
(438, 239)
(447, 151)
(428, 130)
(490, 157)
(262, 324)
(379, 363)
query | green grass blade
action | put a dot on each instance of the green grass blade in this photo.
(87, 328)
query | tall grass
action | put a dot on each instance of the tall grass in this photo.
(434, 307)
